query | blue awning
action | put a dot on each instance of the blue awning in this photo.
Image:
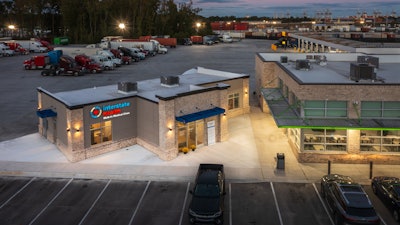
(200, 115)
(46, 113)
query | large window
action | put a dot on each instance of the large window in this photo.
(233, 101)
(100, 132)
(380, 140)
(323, 109)
(378, 109)
(324, 139)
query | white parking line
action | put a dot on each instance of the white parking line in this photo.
(139, 203)
(184, 203)
(276, 203)
(94, 203)
(323, 203)
(51, 201)
(16, 193)
(230, 204)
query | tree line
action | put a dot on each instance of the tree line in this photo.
(89, 20)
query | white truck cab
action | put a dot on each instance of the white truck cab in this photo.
(104, 61)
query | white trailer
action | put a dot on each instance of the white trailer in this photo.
(146, 45)
(32, 46)
(73, 51)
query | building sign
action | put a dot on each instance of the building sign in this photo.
(109, 111)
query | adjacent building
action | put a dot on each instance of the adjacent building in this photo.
(163, 115)
(342, 107)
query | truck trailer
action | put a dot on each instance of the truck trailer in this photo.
(32, 46)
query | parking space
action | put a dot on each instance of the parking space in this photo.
(80, 201)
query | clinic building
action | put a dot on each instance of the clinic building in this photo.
(334, 107)
(166, 115)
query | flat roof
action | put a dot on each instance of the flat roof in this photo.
(337, 68)
(152, 90)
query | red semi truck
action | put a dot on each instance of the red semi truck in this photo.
(86, 62)
(18, 49)
(37, 62)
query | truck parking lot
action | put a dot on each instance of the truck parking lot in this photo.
(20, 85)
(25, 200)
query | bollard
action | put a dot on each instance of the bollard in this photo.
(329, 167)
(370, 169)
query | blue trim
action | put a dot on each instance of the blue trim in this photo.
(46, 113)
(200, 115)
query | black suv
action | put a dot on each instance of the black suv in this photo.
(207, 205)
(348, 201)
(388, 190)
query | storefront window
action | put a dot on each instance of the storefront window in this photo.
(191, 134)
(380, 140)
(100, 132)
(295, 135)
(233, 101)
(324, 139)
(379, 109)
(323, 109)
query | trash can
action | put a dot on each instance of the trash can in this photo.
(280, 162)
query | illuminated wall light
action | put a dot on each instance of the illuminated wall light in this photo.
(169, 129)
(68, 130)
(77, 130)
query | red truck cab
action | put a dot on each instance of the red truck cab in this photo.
(86, 62)
(37, 62)
(124, 58)
(17, 48)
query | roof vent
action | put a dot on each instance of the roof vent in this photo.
(284, 59)
(169, 81)
(303, 64)
(127, 87)
(362, 71)
(369, 60)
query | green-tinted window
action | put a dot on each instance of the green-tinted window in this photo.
(375, 109)
(325, 109)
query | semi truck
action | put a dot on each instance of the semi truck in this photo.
(66, 65)
(5, 50)
(126, 59)
(109, 55)
(150, 46)
(208, 194)
(32, 46)
(87, 63)
(17, 48)
(37, 62)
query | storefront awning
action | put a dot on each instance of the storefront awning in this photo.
(46, 113)
(200, 115)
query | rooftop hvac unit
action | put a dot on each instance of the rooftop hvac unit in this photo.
(303, 64)
(127, 87)
(369, 60)
(362, 71)
(169, 80)
(284, 59)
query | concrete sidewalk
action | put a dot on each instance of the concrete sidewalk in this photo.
(248, 156)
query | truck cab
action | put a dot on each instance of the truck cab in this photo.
(104, 61)
(37, 62)
(5, 50)
(89, 65)
(208, 195)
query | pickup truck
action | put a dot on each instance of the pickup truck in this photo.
(208, 194)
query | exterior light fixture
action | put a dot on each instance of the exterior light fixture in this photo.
(68, 130)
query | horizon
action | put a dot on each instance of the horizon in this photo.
(295, 8)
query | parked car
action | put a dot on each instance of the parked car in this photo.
(349, 203)
(388, 190)
(207, 205)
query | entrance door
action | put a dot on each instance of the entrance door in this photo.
(191, 134)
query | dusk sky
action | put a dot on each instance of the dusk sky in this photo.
(295, 8)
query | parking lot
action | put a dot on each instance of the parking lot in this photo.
(44, 201)
(18, 86)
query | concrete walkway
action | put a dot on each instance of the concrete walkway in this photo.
(248, 156)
